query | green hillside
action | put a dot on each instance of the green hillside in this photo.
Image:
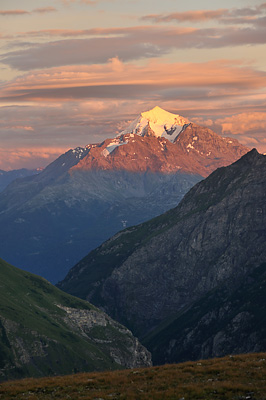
(44, 331)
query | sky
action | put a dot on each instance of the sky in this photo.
(74, 72)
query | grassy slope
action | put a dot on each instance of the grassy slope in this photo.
(28, 311)
(230, 378)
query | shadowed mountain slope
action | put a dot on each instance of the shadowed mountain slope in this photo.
(6, 177)
(148, 273)
(225, 321)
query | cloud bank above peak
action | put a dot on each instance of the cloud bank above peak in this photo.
(92, 66)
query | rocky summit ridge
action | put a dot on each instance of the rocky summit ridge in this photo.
(159, 141)
(157, 122)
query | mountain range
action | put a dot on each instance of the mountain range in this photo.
(53, 219)
(44, 331)
(6, 177)
(190, 283)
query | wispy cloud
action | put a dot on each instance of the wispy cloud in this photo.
(13, 12)
(187, 16)
(221, 78)
(67, 2)
(21, 128)
(127, 44)
(43, 10)
(235, 15)
(243, 123)
(27, 157)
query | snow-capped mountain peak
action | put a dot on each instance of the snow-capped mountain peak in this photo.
(157, 122)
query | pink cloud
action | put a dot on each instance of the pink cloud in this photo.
(44, 10)
(13, 12)
(125, 43)
(67, 2)
(215, 79)
(234, 15)
(192, 16)
(244, 122)
(21, 127)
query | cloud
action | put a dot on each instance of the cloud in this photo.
(23, 12)
(128, 44)
(80, 51)
(67, 2)
(21, 127)
(56, 33)
(202, 86)
(44, 10)
(28, 157)
(243, 123)
(13, 12)
(191, 16)
(234, 15)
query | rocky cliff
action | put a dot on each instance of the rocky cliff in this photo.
(227, 320)
(150, 272)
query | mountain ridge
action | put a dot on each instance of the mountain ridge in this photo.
(226, 320)
(6, 177)
(89, 193)
(163, 265)
(159, 141)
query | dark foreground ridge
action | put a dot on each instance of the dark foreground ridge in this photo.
(230, 378)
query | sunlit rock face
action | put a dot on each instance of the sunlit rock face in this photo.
(158, 141)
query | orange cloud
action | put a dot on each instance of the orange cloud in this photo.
(244, 122)
(21, 127)
(233, 15)
(139, 31)
(13, 12)
(192, 16)
(67, 2)
(126, 43)
(44, 10)
(221, 78)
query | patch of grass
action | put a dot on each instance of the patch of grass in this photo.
(230, 378)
